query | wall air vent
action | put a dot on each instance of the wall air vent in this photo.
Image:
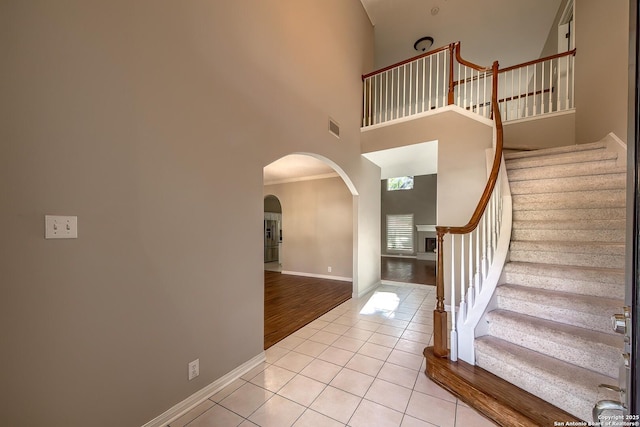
(334, 128)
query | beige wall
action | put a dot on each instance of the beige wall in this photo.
(317, 226)
(602, 40)
(152, 121)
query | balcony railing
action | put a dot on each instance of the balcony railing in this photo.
(441, 77)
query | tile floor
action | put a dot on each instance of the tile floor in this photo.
(360, 365)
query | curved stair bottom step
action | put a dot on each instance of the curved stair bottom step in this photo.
(571, 388)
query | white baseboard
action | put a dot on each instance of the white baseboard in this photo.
(319, 276)
(203, 394)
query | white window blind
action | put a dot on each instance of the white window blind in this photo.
(400, 233)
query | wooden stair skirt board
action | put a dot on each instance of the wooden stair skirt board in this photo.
(495, 398)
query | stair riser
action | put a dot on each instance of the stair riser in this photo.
(582, 319)
(583, 183)
(563, 171)
(581, 287)
(570, 349)
(558, 394)
(617, 236)
(574, 259)
(568, 214)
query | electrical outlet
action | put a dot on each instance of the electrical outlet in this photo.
(329, 269)
(194, 369)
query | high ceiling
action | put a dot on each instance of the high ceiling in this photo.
(510, 31)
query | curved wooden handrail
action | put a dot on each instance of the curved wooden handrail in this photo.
(470, 64)
(440, 348)
(493, 176)
(539, 60)
(406, 61)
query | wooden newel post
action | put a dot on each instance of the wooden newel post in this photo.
(440, 348)
(450, 98)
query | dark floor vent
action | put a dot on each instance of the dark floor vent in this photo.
(334, 128)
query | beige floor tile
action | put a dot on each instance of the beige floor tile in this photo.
(468, 417)
(254, 371)
(246, 399)
(408, 421)
(346, 320)
(305, 332)
(311, 348)
(375, 350)
(277, 412)
(347, 343)
(416, 336)
(336, 328)
(420, 327)
(192, 414)
(273, 378)
(408, 360)
(431, 409)
(294, 361)
(229, 389)
(217, 416)
(353, 382)
(390, 330)
(336, 356)
(365, 364)
(336, 404)
(426, 386)
(290, 342)
(396, 323)
(382, 339)
(367, 325)
(372, 414)
(312, 418)
(324, 337)
(410, 347)
(274, 353)
(302, 390)
(321, 370)
(359, 334)
(398, 375)
(388, 394)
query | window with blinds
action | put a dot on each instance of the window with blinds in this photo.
(400, 233)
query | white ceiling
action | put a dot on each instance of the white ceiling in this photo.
(410, 160)
(510, 31)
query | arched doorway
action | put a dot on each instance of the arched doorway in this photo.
(316, 242)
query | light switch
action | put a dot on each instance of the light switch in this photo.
(60, 227)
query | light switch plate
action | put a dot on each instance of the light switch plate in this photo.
(60, 227)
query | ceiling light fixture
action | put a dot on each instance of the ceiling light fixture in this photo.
(423, 44)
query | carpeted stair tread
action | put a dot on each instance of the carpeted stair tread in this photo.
(589, 349)
(571, 200)
(561, 159)
(583, 169)
(585, 311)
(576, 231)
(598, 282)
(568, 214)
(571, 388)
(561, 185)
(554, 150)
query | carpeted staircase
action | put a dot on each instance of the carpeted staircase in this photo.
(550, 333)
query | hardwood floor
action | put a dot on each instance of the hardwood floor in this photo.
(408, 270)
(290, 302)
